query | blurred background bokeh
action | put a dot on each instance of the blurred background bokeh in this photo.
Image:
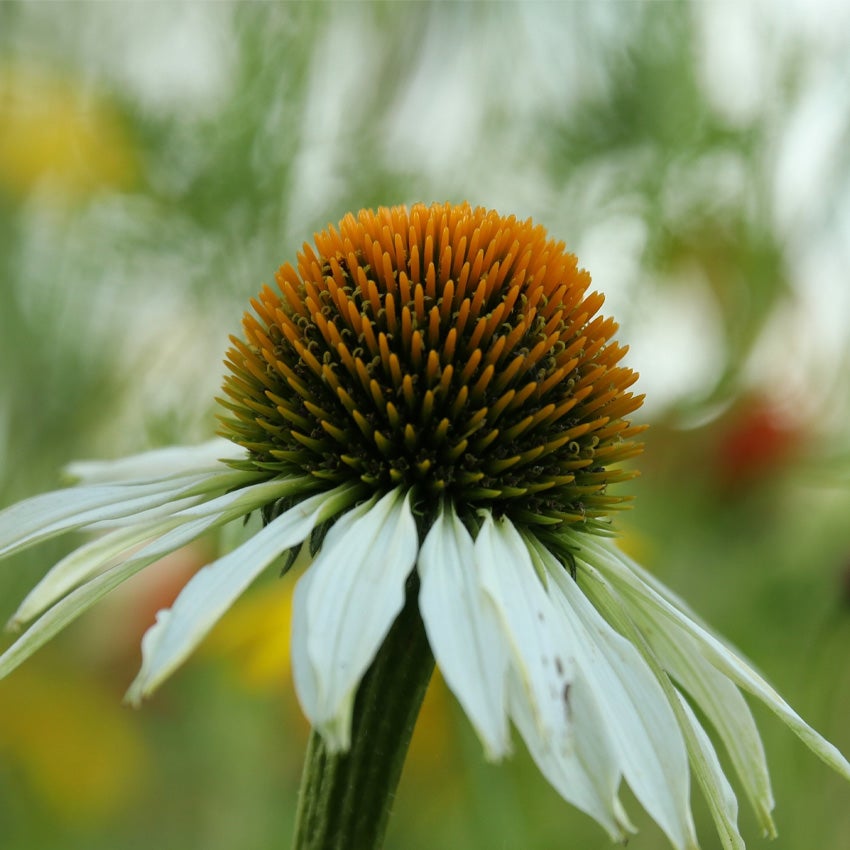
(158, 161)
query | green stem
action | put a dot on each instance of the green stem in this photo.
(345, 798)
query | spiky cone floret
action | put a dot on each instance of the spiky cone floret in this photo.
(447, 350)
(431, 399)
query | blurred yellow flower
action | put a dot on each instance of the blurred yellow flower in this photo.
(255, 634)
(51, 128)
(78, 749)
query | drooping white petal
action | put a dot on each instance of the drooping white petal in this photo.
(462, 630)
(355, 592)
(45, 516)
(653, 611)
(213, 589)
(98, 554)
(725, 707)
(632, 706)
(80, 600)
(526, 618)
(157, 464)
(715, 786)
(583, 769)
(303, 675)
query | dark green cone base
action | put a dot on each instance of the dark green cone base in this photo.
(345, 798)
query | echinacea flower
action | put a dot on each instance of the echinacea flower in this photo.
(430, 400)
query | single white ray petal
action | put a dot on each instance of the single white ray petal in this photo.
(80, 600)
(157, 464)
(728, 712)
(653, 611)
(356, 591)
(583, 769)
(633, 707)
(462, 630)
(715, 786)
(527, 621)
(303, 675)
(45, 516)
(213, 589)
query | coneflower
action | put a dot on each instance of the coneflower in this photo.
(431, 407)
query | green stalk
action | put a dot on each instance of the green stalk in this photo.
(345, 798)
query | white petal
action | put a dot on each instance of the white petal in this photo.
(583, 769)
(158, 464)
(718, 792)
(728, 712)
(80, 600)
(50, 514)
(633, 708)
(526, 619)
(213, 589)
(656, 612)
(355, 592)
(303, 675)
(462, 630)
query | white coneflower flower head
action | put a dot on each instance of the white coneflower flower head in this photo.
(430, 400)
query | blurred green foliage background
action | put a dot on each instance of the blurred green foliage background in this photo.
(158, 161)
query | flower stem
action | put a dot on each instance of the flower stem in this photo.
(345, 798)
